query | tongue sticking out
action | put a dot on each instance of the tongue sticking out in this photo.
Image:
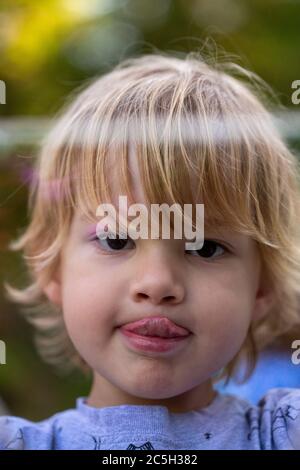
(156, 326)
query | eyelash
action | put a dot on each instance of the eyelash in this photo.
(226, 250)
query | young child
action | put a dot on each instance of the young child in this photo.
(154, 322)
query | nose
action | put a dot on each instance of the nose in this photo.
(157, 280)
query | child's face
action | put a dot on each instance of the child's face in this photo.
(214, 298)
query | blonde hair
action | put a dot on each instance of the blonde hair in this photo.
(191, 122)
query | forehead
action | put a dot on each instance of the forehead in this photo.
(212, 221)
(135, 179)
(212, 224)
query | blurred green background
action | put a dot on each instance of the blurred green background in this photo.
(49, 48)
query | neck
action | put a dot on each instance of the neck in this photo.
(104, 393)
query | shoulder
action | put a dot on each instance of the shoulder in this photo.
(272, 424)
(17, 433)
(21, 434)
(280, 418)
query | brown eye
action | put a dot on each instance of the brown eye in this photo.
(108, 243)
(208, 250)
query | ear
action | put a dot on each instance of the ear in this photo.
(53, 289)
(265, 298)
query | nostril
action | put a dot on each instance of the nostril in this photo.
(143, 296)
(169, 297)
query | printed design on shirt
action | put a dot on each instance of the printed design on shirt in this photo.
(97, 442)
(208, 435)
(253, 422)
(280, 419)
(282, 416)
(17, 442)
(288, 417)
(146, 446)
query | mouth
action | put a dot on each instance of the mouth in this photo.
(161, 327)
(153, 345)
(154, 335)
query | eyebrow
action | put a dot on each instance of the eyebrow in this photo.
(211, 229)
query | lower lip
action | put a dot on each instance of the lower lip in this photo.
(153, 344)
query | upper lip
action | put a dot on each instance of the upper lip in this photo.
(156, 326)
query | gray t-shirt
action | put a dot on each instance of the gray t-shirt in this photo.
(227, 423)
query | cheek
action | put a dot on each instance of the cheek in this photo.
(88, 302)
(224, 307)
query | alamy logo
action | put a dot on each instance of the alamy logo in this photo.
(296, 354)
(2, 352)
(296, 93)
(139, 226)
(2, 92)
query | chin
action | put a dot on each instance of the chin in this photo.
(154, 391)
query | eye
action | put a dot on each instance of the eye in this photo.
(106, 242)
(210, 247)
